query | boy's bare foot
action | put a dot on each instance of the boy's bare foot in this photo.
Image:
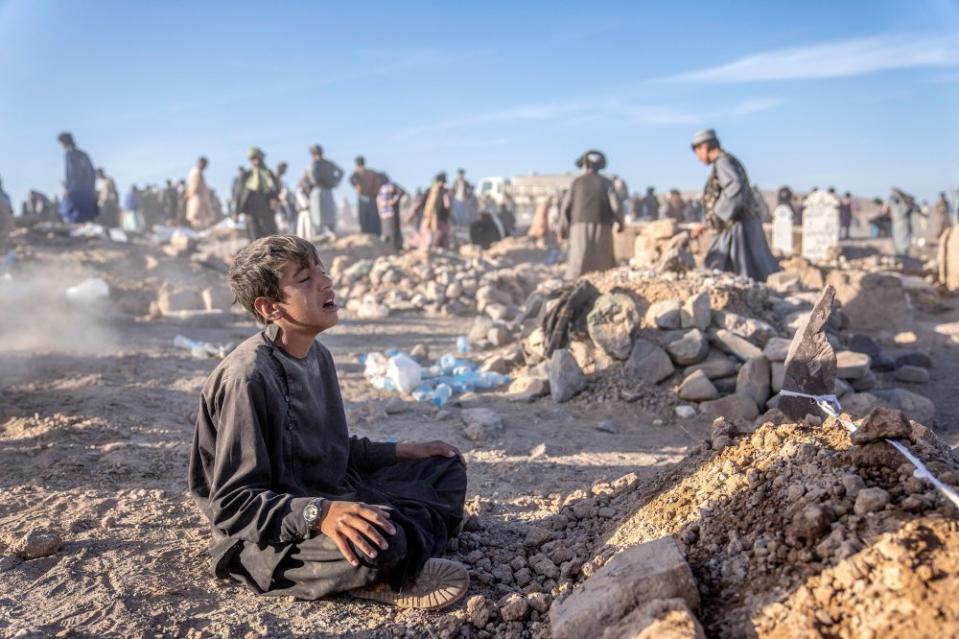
(442, 583)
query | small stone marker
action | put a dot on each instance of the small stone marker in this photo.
(820, 226)
(783, 230)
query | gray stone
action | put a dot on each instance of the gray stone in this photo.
(783, 281)
(635, 577)
(665, 314)
(657, 619)
(749, 328)
(777, 373)
(776, 349)
(725, 385)
(612, 322)
(861, 343)
(864, 383)
(497, 312)
(37, 543)
(914, 358)
(687, 347)
(481, 423)
(566, 378)
(684, 411)
(733, 406)
(917, 407)
(734, 344)
(697, 388)
(852, 365)
(649, 362)
(513, 607)
(498, 336)
(842, 387)
(753, 380)
(495, 364)
(526, 389)
(479, 330)
(696, 312)
(714, 366)
(912, 374)
(870, 500)
(811, 362)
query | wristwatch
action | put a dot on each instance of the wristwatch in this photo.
(312, 512)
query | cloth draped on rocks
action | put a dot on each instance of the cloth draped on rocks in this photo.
(435, 225)
(589, 211)
(270, 437)
(573, 303)
(258, 189)
(80, 202)
(325, 176)
(199, 209)
(740, 245)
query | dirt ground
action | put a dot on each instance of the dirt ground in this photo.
(95, 435)
(96, 424)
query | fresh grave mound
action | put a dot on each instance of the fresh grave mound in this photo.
(793, 531)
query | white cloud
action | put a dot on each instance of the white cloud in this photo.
(844, 58)
(588, 112)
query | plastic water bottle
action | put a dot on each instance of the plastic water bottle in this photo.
(383, 384)
(441, 395)
(462, 344)
(447, 363)
(405, 373)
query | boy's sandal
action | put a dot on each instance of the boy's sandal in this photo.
(441, 583)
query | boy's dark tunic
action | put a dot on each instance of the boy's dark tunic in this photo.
(270, 437)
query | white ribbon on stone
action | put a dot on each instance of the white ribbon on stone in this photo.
(831, 406)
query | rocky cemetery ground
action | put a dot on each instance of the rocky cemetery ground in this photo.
(668, 435)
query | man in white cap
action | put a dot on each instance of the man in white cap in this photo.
(731, 210)
(589, 211)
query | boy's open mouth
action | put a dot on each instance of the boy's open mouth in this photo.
(330, 303)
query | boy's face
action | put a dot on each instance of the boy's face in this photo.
(308, 299)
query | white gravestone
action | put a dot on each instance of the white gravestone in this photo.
(820, 225)
(783, 230)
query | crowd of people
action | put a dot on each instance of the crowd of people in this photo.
(262, 201)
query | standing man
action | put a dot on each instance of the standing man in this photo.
(845, 215)
(651, 204)
(169, 203)
(79, 203)
(325, 176)
(900, 208)
(199, 209)
(732, 211)
(108, 200)
(589, 211)
(286, 207)
(463, 200)
(367, 183)
(259, 190)
(388, 202)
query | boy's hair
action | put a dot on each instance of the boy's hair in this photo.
(256, 269)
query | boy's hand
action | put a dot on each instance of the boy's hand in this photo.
(351, 521)
(422, 450)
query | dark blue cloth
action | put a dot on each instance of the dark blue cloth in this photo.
(80, 203)
(79, 206)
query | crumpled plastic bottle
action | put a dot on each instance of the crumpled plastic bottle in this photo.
(441, 395)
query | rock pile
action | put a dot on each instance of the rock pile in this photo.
(786, 529)
(439, 282)
(717, 340)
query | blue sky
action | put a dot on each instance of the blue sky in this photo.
(860, 95)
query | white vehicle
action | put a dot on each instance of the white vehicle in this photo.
(523, 191)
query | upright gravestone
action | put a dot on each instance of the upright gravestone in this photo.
(783, 230)
(820, 225)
